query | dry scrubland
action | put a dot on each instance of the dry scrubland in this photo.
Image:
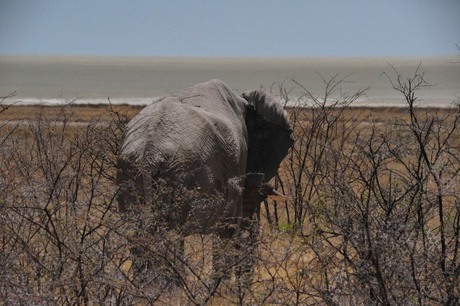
(373, 215)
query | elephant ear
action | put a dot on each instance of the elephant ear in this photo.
(268, 107)
(269, 136)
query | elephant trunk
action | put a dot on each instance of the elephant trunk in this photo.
(256, 191)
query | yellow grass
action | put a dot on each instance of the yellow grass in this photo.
(86, 113)
(285, 259)
(79, 113)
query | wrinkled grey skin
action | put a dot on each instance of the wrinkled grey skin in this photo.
(210, 140)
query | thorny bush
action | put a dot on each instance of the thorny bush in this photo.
(375, 201)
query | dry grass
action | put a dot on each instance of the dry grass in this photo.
(87, 113)
(74, 243)
(77, 113)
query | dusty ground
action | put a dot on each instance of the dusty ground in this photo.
(87, 113)
(292, 269)
(80, 113)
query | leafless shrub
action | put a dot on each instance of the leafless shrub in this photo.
(373, 215)
(4, 126)
(63, 240)
(377, 205)
(321, 131)
(60, 231)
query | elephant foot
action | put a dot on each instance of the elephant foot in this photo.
(157, 275)
(160, 265)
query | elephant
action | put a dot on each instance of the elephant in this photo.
(220, 147)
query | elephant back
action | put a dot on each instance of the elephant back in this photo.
(196, 139)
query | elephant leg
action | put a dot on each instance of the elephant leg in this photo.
(246, 244)
(168, 260)
(235, 250)
(223, 256)
(247, 240)
(158, 261)
(144, 266)
(174, 259)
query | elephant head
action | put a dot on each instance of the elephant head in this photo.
(269, 133)
(269, 139)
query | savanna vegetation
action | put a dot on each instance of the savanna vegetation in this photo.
(373, 215)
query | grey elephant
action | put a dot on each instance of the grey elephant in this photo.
(220, 147)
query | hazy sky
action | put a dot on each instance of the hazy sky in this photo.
(230, 28)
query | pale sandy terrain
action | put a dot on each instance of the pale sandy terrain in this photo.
(139, 80)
